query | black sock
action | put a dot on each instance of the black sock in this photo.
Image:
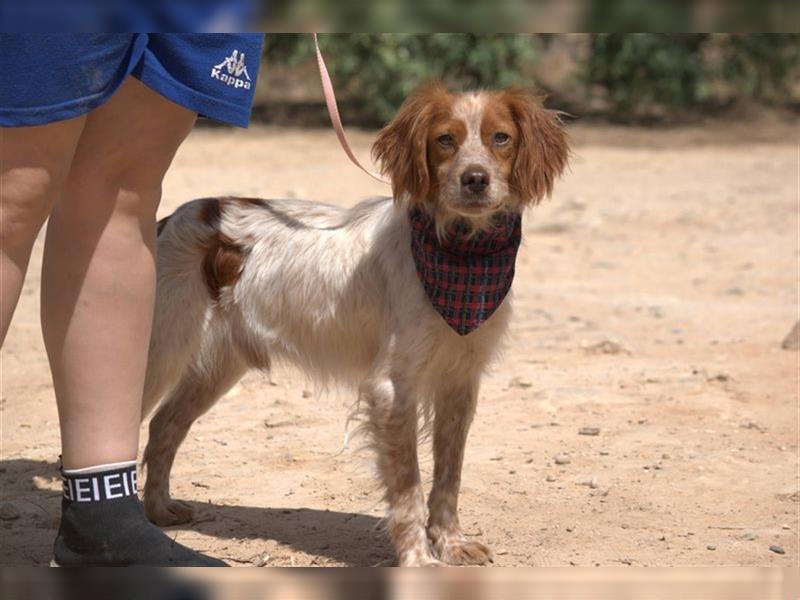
(103, 523)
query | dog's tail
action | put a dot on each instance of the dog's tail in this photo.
(182, 300)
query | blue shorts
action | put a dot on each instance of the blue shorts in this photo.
(51, 77)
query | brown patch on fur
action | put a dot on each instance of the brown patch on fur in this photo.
(542, 150)
(401, 147)
(224, 258)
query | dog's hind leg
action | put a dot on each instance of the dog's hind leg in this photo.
(201, 386)
(454, 406)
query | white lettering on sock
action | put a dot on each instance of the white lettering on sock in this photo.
(110, 495)
(79, 490)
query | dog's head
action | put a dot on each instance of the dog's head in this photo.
(472, 154)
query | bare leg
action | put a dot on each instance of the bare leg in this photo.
(98, 277)
(34, 163)
(393, 424)
(454, 408)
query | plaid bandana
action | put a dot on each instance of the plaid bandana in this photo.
(465, 278)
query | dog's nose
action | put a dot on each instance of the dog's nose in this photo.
(475, 179)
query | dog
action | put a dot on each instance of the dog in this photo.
(339, 293)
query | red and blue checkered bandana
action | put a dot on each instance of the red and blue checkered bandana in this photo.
(465, 277)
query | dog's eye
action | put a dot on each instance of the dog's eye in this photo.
(446, 140)
(501, 139)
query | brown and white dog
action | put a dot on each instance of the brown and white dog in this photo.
(334, 291)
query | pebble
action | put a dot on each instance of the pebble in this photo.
(711, 547)
(261, 560)
(518, 382)
(307, 394)
(602, 347)
(8, 512)
(550, 478)
(792, 341)
(562, 459)
(777, 549)
(591, 482)
(749, 537)
(589, 431)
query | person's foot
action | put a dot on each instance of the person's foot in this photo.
(103, 524)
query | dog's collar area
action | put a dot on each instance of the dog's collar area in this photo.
(466, 275)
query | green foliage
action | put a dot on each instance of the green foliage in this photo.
(642, 69)
(640, 74)
(375, 72)
(761, 65)
(675, 72)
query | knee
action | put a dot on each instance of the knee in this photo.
(28, 195)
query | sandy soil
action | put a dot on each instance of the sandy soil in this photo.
(652, 296)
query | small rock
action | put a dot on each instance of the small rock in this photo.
(562, 459)
(602, 347)
(711, 547)
(777, 549)
(307, 394)
(8, 512)
(747, 424)
(785, 527)
(262, 560)
(590, 482)
(749, 537)
(792, 341)
(665, 456)
(589, 431)
(550, 478)
(518, 382)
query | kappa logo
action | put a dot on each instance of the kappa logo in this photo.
(232, 71)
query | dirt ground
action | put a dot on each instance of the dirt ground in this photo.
(652, 295)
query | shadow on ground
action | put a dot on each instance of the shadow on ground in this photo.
(347, 538)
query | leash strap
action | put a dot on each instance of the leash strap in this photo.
(333, 111)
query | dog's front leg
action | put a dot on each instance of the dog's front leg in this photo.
(393, 425)
(454, 408)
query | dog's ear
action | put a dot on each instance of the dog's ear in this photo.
(543, 148)
(402, 146)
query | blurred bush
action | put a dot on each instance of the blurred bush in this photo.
(620, 76)
(648, 74)
(373, 73)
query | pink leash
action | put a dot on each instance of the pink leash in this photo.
(333, 111)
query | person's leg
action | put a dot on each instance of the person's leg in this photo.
(34, 163)
(98, 289)
(98, 276)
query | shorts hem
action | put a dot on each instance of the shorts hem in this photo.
(183, 95)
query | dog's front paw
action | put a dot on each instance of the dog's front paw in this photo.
(418, 555)
(166, 512)
(454, 548)
(465, 552)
